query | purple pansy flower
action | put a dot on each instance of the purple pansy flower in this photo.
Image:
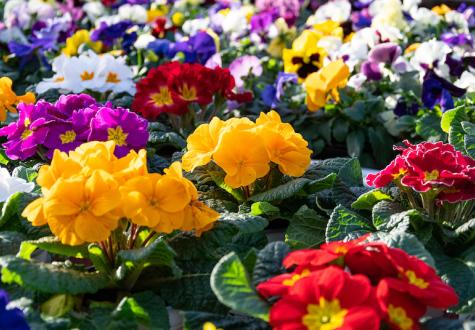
(457, 39)
(382, 54)
(243, 66)
(11, 318)
(437, 90)
(272, 93)
(108, 34)
(198, 48)
(127, 129)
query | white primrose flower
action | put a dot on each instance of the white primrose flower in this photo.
(118, 75)
(100, 73)
(336, 10)
(10, 185)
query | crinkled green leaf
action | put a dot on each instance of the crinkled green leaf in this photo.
(345, 224)
(230, 283)
(49, 278)
(53, 245)
(281, 192)
(306, 229)
(269, 262)
(369, 199)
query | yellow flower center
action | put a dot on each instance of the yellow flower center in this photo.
(163, 97)
(327, 315)
(416, 281)
(117, 135)
(26, 133)
(401, 172)
(341, 250)
(27, 122)
(59, 79)
(188, 93)
(113, 77)
(429, 176)
(68, 137)
(398, 316)
(291, 281)
(84, 206)
(86, 75)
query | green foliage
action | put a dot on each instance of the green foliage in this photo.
(345, 224)
(367, 200)
(306, 229)
(269, 262)
(53, 245)
(231, 285)
(10, 242)
(195, 321)
(49, 278)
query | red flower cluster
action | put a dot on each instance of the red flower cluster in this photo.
(382, 285)
(171, 87)
(431, 166)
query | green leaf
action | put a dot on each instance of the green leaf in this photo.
(157, 253)
(155, 308)
(230, 283)
(10, 242)
(460, 274)
(369, 199)
(345, 224)
(342, 194)
(4, 160)
(355, 143)
(99, 259)
(269, 262)
(347, 169)
(443, 323)
(321, 184)
(306, 229)
(447, 118)
(25, 173)
(218, 178)
(246, 223)
(381, 144)
(264, 208)
(49, 278)
(340, 129)
(468, 127)
(53, 245)
(281, 192)
(469, 144)
(383, 210)
(456, 131)
(406, 242)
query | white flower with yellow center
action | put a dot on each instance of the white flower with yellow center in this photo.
(58, 80)
(83, 72)
(117, 75)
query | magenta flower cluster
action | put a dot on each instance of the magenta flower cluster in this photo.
(69, 122)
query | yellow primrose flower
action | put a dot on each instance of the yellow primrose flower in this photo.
(201, 144)
(155, 200)
(278, 44)
(83, 209)
(243, 156)
(197, 215)
(305, 57)
(9, 100)
(324, 84)
(78, 39)
(328, 29)
(442, 9)
(210, 326)
(286, 148)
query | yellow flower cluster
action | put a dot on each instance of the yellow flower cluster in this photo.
(8, 98)
(87, 192)
(244, 149)
(79, 38)
(323, 85)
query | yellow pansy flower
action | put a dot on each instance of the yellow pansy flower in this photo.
(328, 29)
(8, 98)
(441, 10)
(305, 57)
(285, 34)
(79, 38)
(324, 84)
